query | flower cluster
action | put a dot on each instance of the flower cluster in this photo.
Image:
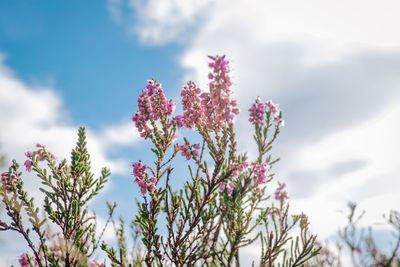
(4, 181)
(152, 105)
(229, 189)
(95, 264)
(40, 152)
(280, 193)
(192, 105)
(212, 109)
(258, 110)
(23, 260)
(274, 109)
(8, 179)
(139, 171)
(236, 170)
(179, 121)
(188, 151)
(259, 174)
(223, 109)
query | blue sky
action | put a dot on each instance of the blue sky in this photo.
(70, 45)
(334, 67)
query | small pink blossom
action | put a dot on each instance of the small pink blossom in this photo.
(95, 264)
(274, 108)
(230, 188)
(153, 179)
(185, 151)
(257, 112)
(188, 151)
(28, 165)
(143, 190)
(279, 122)
(23, 260)
(222, 187)
(6, 179)
(153, 188)
(260, 174)
(139, 171)
(179, 121)
(280, 194)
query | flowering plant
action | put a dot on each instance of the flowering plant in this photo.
(361, 244)
(223, 206)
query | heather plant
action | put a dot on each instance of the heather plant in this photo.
(361, 245)
(227, 200)
(66, 188)
(224, 205)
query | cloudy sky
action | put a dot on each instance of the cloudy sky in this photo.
(334, 67)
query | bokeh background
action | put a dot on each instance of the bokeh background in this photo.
(334, 67)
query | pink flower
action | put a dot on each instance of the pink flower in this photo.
(143, 190)
(188, 151)
(280, 194)
(28, 165)
(95, 264)
(153, 188)
(219, 105)
(23, 260)
(222, 187)
(185, 151)
(139, 171)
(258, 109)
(153, 105)
(260, 174)
(179, 121)
(28, 154)
(192, 106)
(153, 180)
(257, 112)
(6, 181)
(40, 154)
(230, 189)
(214, 109)
(274, 108)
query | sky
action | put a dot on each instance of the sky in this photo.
(333, 66)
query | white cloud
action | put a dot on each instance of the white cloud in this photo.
(122, 134)
(160, 22)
